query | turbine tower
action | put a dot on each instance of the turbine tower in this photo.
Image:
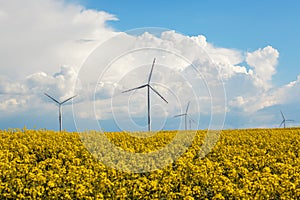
(60, 108)
(284, 120)
(148, 85)
(185, 116)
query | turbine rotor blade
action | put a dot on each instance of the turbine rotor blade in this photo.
(282, 115)
(52, 98)
(150, 75)
(135, 88)
(68, 99)
(187, 107)
(180, 115)
(158, 94)
(191, 119)
(281, 123)
(289, 120)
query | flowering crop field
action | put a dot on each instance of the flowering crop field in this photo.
(244, 164)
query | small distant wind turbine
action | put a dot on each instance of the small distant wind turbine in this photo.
(148, 93)
(284, 120)
(60, 108)
(186, 116)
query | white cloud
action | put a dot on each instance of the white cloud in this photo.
(289, 93)
(60, 84)
(9, 87)
(11, 103)
(46, 34)
(264, 62)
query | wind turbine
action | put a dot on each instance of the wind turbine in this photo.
(148, 85)
(185, 116)
(60, 108)
(284, 120)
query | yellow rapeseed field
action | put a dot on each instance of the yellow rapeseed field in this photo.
(244, 164)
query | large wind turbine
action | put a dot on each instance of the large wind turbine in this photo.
(148, 93)
(60, 108)
(284, 120)
(185, 116)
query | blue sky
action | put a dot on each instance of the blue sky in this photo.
(45, 46)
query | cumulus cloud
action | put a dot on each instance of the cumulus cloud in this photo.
(289, 93)
(39, 35)
(26, 95)
(264, 62)
(60, 84)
